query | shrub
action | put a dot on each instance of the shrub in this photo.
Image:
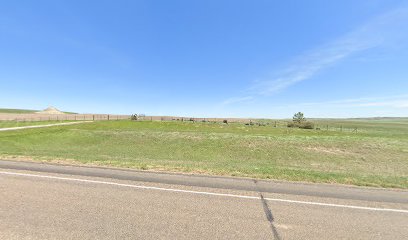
(225, 121)
(303, 125)
(306, 125)
(292, 124)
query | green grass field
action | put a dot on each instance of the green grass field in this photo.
(377, 155)
(10, 110)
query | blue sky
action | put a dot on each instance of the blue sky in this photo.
(206, 58)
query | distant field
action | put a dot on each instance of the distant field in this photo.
(375, 155)
(10, 110)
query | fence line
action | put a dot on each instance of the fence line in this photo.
(193, 119)
(99, 117)
(60, 117)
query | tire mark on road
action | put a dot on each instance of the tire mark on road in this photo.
(268, 214)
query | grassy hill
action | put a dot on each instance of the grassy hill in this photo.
(10, 110)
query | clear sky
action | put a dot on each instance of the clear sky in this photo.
(203, 58)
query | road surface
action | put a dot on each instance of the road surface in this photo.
(43, 201)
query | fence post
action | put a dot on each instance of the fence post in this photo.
(108, 117)
(93, 117)
(341, 128)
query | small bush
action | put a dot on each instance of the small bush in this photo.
(303, 125)
(250, 123)
(225, 121)
(306, 125)
(292, 124)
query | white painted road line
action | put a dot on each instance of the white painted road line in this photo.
(206, 193)
(40, 126)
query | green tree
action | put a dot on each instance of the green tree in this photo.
(299, 117)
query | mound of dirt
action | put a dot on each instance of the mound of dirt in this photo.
(50, 110)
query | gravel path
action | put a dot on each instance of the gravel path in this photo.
(40, 126)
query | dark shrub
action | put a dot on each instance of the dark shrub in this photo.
(225, 121)
(306, 125)
(293, 124)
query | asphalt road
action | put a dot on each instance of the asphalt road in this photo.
(39, 201)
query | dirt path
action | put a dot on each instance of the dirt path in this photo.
(40, 126)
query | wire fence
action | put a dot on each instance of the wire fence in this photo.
(60, 117)
(193, 119)
(109, 117)
(318, 126)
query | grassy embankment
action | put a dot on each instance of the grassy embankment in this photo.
(377, 155)
(10, 110)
